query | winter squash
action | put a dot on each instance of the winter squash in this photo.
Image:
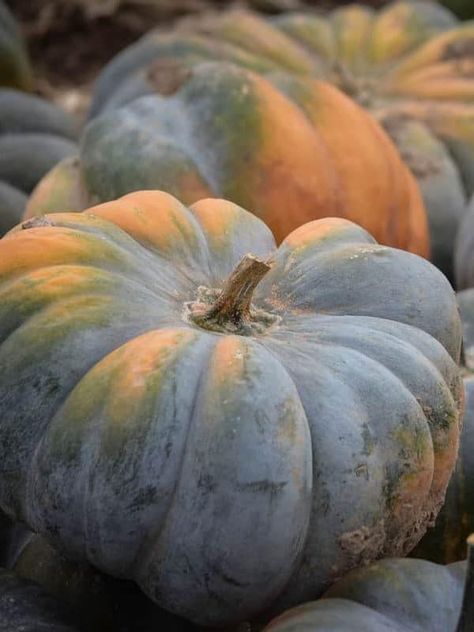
(293, 150)
(34, 136)
(27, 607)
(464, 251)
(444, 543)
(410, 64)
(15, 71)
(160, 422)
(393, 595)
(102, 603)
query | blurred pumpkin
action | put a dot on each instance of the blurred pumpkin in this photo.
(34, 136)
(15, 71)
(203, 426)
(293, 150)
(464, 251)
(397, 595)
(410, 64)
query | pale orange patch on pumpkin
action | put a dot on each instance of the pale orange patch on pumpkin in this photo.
(227, 361)
(216, 217)
(144, 360)
(316, 231)
(153, 218)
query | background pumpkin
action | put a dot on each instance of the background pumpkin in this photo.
(15, 71)
(34, 136)
(410, 64)
(293, 151)
(464, 251)
(401, 595)
(338, 382)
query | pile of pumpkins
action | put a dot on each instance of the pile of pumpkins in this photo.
(219, 418)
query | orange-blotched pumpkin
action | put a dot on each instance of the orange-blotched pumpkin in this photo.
(229, 424)
(410, 64)
(293, 150)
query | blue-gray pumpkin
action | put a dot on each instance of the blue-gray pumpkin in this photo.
(226, 429)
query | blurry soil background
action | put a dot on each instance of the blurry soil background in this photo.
(69, 41)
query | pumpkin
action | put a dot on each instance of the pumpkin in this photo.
(34, 136)
(180, 412)
(464, 251)
(410, 64)
(27, 607)
(445, 542)
(15, 71)
(393, 595)
(293, 150)
(103, 604)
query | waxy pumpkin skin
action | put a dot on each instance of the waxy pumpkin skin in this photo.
(464, 252)
(34, 136)
(26, 607)
(410, 64)
(393, 595)
(15, 71)
(218, 469)
(293, 150)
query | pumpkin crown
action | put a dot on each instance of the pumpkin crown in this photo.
(230, 310)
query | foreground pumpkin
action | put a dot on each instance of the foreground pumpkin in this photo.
(34, 136)
(15, 71)
(161, 422)
(292, 151)
(445, 542)
(410, 64)
(392, 596)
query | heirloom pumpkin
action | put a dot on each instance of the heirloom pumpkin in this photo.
(15, 71)
(397, 595)
(445, 542)
(224, 428)
(410, 64)
(34, 136)
(293, 151)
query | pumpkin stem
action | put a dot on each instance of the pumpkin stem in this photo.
(231, 309)
(466, 621)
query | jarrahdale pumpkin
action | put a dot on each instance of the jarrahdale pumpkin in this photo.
(292, 150)
(26, 607)
(393, 595)
(15, 70)
(99, 602)
(224, 422)
(34, 136)
(410, 64)
(445, 542)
